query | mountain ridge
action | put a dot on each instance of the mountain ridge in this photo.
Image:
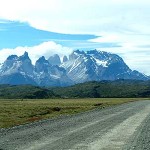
(78, 67)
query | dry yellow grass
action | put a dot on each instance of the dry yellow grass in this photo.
(16, 112)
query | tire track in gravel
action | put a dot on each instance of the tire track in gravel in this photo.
(108, 129)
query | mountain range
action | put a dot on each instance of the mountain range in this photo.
(78, 67)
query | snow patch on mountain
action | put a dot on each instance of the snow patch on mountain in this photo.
(101, 63)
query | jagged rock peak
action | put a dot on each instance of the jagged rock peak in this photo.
(42, 60)
(12, 57)
(54, 60)
(75, 54)
(93, 51)
(98, 52)
(78, 52)
(24, 56)
(65, 59)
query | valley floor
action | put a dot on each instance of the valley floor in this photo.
(123, 126)
(15, 112)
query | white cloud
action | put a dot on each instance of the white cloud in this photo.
(125, 22)
(79, 16)
(46, 49)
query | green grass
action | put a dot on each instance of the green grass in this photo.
(16, 112)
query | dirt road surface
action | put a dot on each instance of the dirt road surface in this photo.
(122, 127)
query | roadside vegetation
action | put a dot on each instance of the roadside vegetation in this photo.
(15, 112)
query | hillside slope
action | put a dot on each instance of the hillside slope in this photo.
(118, 88)
(93, 89)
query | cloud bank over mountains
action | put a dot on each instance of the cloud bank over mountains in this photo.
(46, 49)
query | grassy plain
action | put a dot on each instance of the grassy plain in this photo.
(16, 112)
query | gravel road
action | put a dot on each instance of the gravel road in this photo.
(122, 127)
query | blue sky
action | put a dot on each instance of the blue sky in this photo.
(45, 27)
(14, 34)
